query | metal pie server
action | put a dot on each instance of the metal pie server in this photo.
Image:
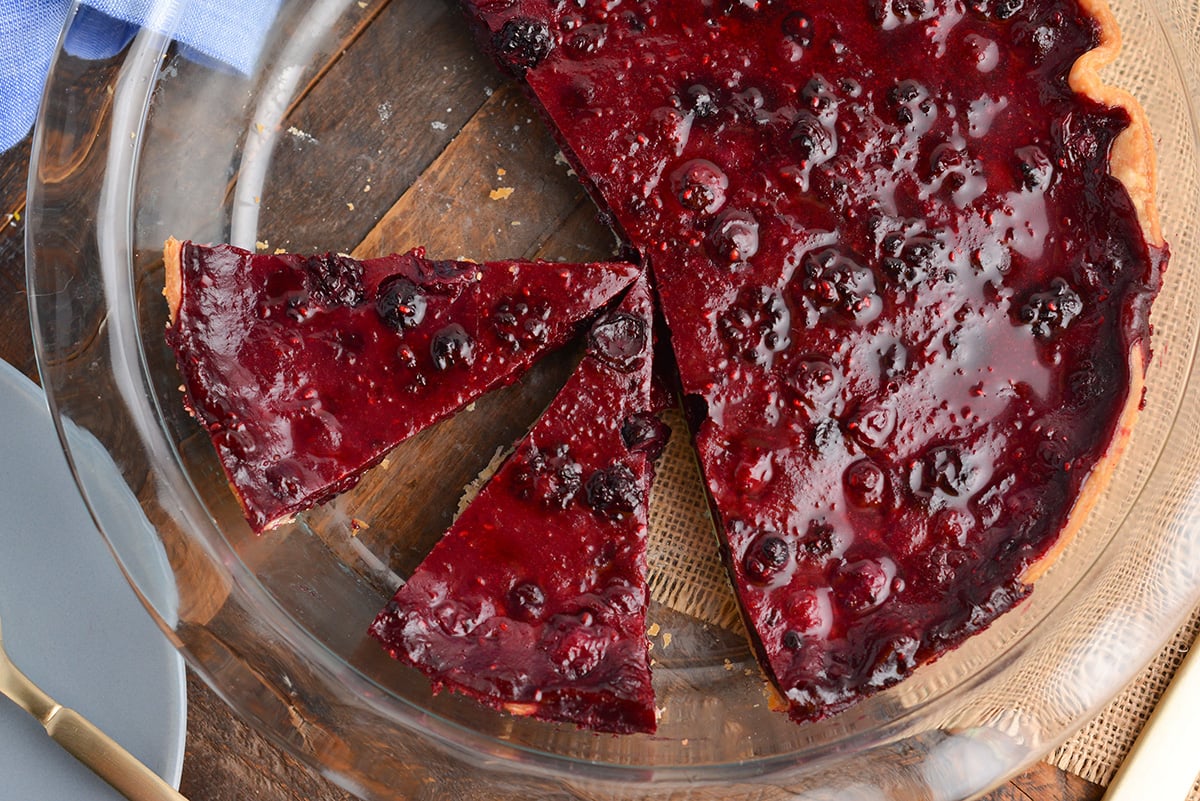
(82, 739)
(1163, 763)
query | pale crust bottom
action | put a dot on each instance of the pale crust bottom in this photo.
(1132, 162)
(173, 280)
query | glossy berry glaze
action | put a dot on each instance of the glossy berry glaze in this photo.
(902, 287)
(535, 600)
(307, 370)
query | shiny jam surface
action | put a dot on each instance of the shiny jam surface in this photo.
(902, 288)
(535, 600)
(307, 370)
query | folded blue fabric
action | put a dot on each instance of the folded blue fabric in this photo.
(228, 32)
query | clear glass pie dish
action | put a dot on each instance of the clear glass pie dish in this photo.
(365, 127)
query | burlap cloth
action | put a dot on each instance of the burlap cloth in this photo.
(688, 576)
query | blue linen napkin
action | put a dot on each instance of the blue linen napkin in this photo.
(228, 32)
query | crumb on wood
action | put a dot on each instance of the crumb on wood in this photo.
(501, 193)
(262, 244)
(653, 630)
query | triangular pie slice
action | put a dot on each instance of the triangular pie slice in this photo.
(906, 251)
(535, 600)
(307, 370)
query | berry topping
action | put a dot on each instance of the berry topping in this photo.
(798, 27)
(580, 650)
(865, 483)
(767, 555)
(902, 283)
(452, 347)
(400, 303)
(619, 340)
(733, 237)
(1047, 313)
(335, 280)
(338, 360)
(534, 602)
(522, 44)
(700, 186)
(757, 325)
(814, 142)
(645, 433)
(613, 492)
(864, 585)
(552, 478)
(838, 285)
(526, 602)
(519, 323)
(701, 102)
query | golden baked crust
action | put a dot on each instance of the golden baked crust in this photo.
(1132, 155)
(173, 280)
(1132, 162)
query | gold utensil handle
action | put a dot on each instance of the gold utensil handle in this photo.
(106, 758)
(1163, 763)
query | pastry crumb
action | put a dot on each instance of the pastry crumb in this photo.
(501, 172)
(262, 244)
(350, 206)
(280, 251)
(303, 135)
(666, 639)
(502, 193)
(728, 664)
(470, 407)
(653, 630)
(438, 125)
(684, 741)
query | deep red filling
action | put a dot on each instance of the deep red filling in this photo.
(535, 600)
(308, 370)
(902, 289)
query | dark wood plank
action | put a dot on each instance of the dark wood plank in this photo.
(226, 760)
(371, 126)
(1045, 782)
(16, 347)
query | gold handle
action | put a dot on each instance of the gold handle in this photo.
(106, 758)
(83, 740)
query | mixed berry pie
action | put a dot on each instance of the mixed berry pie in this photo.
(306, 371)
(905, 250)
(535, 600)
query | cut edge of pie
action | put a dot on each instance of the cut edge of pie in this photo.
(297, 420)
(549, 620)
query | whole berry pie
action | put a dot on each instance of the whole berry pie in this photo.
(535, 600)
(905, 250)
(307, 370)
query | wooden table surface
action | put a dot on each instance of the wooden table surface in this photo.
(225, 760)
